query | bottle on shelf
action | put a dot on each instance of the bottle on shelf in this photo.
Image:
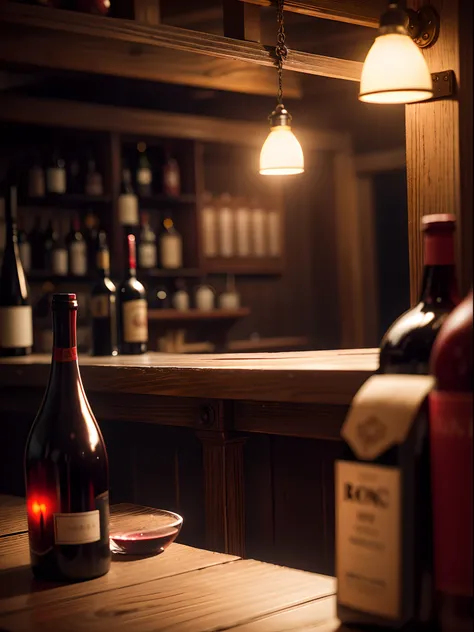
(209, 226)
(59, 255)
(24, 248)
(451, 412)
(103, 307)
(230, 299)
(94, 184)
(49, 238)
(258, 229)
(180, 299)
(91, 232)
(127, 201)
(273, 233)
(147, 255)
(225, 226)
(66, 468)
(56, 174)
(36, 239)
(144, 176)
(171, 177)
(16, 324)
(205, 297)
(242, 228)
(407, 345)
(171, 246)
(75, 182)
(36, 180)
(132, 309)
(77, 249)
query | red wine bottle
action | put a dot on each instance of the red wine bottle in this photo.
(66, 468)
(406, 347)
(451, 412)
(16, 328)
(104, 325)
(132, 311)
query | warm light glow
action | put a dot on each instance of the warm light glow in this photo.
(168, 223)
(395, 71)
(281, 153)
(37, 508)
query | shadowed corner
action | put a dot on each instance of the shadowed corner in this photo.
(20, 581)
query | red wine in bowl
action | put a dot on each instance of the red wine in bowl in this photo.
(148, 543)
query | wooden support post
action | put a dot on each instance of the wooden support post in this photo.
(241, 20)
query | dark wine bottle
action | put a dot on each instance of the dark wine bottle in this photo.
(36, 238)
(451, 413)
(132, 310)
(59, 255)
(16, 327)
(144, 177)
(104, 325)
(56, 174)
(77, 248)
(147, 255)
(406, 346)
(66, 468)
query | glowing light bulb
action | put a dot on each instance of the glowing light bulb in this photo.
(281, 153)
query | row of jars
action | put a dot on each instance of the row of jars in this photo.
(237, 227)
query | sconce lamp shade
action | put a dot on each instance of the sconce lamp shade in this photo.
(281, 153)
(395, 71)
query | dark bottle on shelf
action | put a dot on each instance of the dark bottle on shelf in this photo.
(56, 174)
(66, 468)
(103, 295)
(144, 175)
(59, 255)
(171, 246)
(36, 238)
(77, 249)
(132, 310)
(74, 180)
(94, 184)
(16, 325)
(406, 346)
(24, 248)
(91, 234)
(147, 255)
(451, 413)
(127, 201)
(49, 238)
(171, 177)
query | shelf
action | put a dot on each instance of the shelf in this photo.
(244, 265)
(173, 315)
(66, 201)
(40, 276)
(147, 202)
(185, 273)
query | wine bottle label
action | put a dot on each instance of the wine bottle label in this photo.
(258, 231)
(135, 321)
(103, 260)
(94, 185)
(171, 252)
(368, 533)
(452, 490)
(56, 180)
(59, 261)
(147, 255)
(209, 232)
(65, 354)
(274, 243)
(36, 185)
(77, 528)
(16, 327)
(242, 218)
(100, 306)
(144, 176)
(128, 209)
(78, 258)
(181, 300)
(25, 256)
(226, 238)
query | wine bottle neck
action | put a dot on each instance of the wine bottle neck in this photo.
(64, 336)
(439, 276)
(11, 228)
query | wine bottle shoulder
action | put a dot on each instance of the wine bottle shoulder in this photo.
(131, 288)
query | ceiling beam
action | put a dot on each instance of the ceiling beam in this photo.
(360, 12)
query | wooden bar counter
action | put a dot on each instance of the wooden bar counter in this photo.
(243, 445)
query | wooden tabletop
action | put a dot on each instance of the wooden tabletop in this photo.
(183, 589)
(323, 377)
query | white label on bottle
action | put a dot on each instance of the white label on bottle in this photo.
(128, 209)
(258, 230)
(59, 260)
(181, 300)
(242, 218)
(172, 180)
(147, 255)
(135, 321)
(209, 231)
(171, 247)
(204, 298)
(274, 245)
(144, 176)
(77, 528)
(94, 184)
(25, 255)
(16, 326)
(56, 180)
(226, 242)
(368, 531)
(78, 254)
(100, 306)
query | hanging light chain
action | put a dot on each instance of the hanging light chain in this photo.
(281, 51)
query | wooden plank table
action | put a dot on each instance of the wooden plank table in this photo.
(184, 589)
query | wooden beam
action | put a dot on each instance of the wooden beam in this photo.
(241, 21)
(74, 114)
(93, 31)
(360, 12)
(199, 16)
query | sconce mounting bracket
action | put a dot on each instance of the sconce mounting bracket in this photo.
(423, 26)
(444, 84)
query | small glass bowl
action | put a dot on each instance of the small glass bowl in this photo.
(139, 530)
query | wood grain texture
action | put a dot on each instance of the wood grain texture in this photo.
(222, 597)
(87, 116)
(241, 21)
(90, 31)
(12, 515)
(361, 12)
(326, 377)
